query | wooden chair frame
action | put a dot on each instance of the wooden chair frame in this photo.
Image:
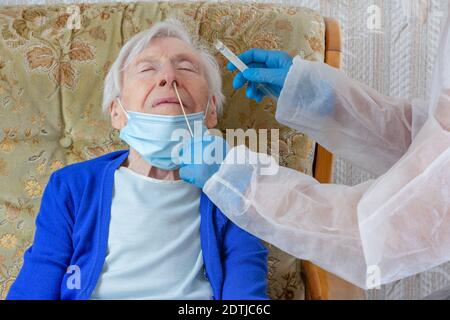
(320, 284)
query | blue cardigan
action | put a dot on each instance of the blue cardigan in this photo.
(72, 230)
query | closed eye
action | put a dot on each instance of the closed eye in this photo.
(147, 69)
(186, 65)
(187, 69)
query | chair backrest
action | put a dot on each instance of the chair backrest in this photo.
(53, 60)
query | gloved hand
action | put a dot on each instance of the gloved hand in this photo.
(201, 157)
(265, 67)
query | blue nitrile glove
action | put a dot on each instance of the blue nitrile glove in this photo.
(201, 157)
(266, 67)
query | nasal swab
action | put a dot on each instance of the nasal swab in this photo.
(182, 108)
(241, 66)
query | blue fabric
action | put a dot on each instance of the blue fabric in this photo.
(72, 230)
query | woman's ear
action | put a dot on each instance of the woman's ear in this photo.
(211, 116)
(118, 118)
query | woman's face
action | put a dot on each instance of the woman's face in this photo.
(147, 83)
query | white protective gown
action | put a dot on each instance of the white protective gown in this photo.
(372, 233)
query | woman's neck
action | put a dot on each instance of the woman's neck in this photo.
(136, 163)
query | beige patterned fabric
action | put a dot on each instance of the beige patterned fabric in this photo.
(51, 82)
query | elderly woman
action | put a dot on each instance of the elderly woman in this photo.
(124, 225)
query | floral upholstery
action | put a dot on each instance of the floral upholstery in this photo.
(51, 82)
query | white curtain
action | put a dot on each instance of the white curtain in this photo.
(391, 46)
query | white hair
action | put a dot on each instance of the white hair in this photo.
(170, 28)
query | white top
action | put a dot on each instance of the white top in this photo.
(154, 247)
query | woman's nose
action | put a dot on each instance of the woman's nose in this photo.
(167, 76)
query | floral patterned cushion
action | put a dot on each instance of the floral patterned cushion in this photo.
(53, 60)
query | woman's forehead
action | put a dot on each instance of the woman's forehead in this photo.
(167, 48)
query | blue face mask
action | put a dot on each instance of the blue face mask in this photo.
(158, 138)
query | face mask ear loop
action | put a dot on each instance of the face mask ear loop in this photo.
(120, 104)
(182, 108)
(206, 110)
